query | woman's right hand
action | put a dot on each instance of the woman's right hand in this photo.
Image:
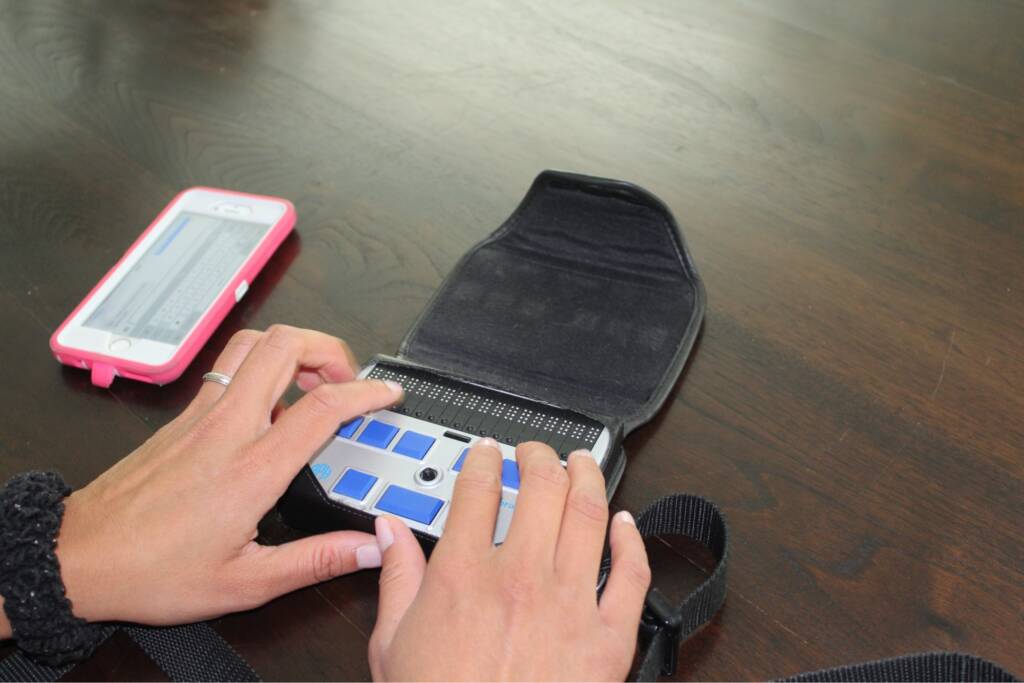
(527, 609)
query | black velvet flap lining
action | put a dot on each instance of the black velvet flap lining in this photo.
(586, 297)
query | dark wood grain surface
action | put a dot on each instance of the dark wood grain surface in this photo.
(850, 177)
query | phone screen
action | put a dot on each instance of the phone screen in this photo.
(178, 277)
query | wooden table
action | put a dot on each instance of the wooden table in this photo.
(850, 177)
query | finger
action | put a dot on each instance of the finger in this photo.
(469, 529)
(276, 570)
(278, 356)
(400, 577)
(307, 380)
(543, 486)
(623, 600)
(305, 426)
(581, 538)
(227, 363)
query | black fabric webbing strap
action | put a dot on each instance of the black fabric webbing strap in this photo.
(18, 667)
(193, 652)
(664, 626)
(949, 667)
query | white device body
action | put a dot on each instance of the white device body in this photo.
(341, 454)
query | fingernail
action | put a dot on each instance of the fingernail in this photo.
(368, 556)
(395, 387)
(385, 537)
(624, 517)
(582, 453)
(487, 441)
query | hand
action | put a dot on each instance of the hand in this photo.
(167, 535)
(527, 609)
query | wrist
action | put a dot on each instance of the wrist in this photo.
(5, 626)
(83, 579)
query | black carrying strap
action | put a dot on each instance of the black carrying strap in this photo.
(18, 667)
(664, 626)
(192, 652)
(950, 667)
(21, 667)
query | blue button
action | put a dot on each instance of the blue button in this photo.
(410, 504)
(510, 474)
(355, 484)
(462, 458)
(414, 444)
(378, 434)
(321, 470)
(349, 428)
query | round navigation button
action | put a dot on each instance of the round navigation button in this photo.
(428, 476)
(120, 344)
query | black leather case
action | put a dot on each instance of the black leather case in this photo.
(585, 298)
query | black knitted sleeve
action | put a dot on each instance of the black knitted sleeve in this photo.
(31, 509)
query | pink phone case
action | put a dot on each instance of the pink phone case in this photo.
(106, 368)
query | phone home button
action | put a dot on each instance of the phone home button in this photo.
(120, 344)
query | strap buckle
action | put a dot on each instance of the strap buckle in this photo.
(662, 618)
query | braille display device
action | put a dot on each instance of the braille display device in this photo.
(405, 461)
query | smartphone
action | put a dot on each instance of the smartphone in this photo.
(152, 312)
(405, 460)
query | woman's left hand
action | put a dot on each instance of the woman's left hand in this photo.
(167, 535)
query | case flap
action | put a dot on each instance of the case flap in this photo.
(586, 297)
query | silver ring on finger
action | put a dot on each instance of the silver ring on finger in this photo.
(218, 377)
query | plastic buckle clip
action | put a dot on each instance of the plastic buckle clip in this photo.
(661, 617)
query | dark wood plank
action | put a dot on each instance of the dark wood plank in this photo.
(847, 174)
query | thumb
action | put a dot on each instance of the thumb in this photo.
(400, 577)
(283, 568)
